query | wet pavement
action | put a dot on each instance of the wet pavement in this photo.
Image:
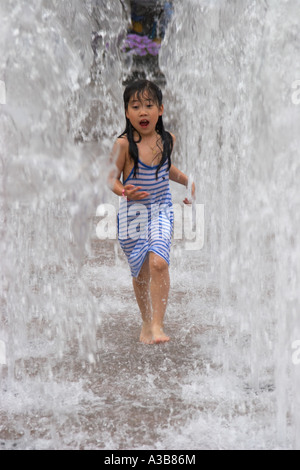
(178, 395)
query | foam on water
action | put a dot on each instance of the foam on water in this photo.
(76, 375)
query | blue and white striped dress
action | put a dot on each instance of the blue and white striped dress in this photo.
(146, 225)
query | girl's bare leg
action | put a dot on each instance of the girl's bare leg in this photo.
(141, 285)
(159, 291)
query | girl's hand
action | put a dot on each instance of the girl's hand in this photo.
(188, 201)
(133, 192)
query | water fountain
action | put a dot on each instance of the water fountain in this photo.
(72, 373)
(50, 187)
(237, 61)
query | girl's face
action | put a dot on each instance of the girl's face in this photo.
(143, 113)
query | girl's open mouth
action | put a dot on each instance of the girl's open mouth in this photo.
(144, 123)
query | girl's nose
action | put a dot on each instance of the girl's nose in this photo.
(143, 111)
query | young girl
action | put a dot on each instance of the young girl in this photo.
(145, 220)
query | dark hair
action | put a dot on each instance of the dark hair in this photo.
(138, 88)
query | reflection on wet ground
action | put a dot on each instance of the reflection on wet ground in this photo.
(129, 395)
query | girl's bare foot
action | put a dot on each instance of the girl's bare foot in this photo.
(158, 335)
(146, 333)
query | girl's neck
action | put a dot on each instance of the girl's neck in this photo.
(146, 138)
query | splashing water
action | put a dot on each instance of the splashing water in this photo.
(237, 61)
(75, 375)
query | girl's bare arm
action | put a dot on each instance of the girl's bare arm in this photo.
(118, 159)
(179, 177)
